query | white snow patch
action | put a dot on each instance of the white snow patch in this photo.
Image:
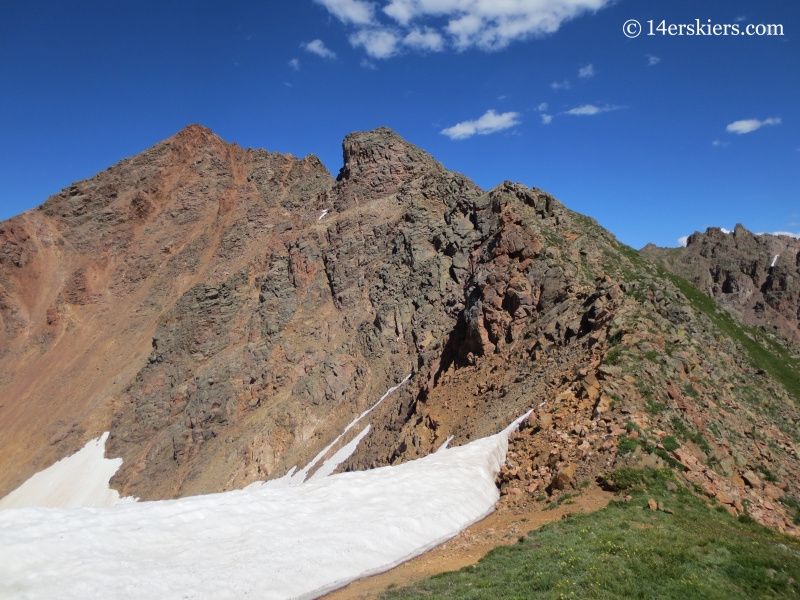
(324, 212)
(341, 455)
(78, 480)
(300, 477)
(774, 260)
(444, 445)
(272, 542)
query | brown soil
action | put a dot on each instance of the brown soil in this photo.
(501, 528)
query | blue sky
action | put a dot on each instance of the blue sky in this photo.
(655, 136)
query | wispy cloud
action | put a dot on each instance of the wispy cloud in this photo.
(542, 107)
(356, 12)
(591, 109)
(740, 19)
(295, 64)
(318, 48)
(367, 64)
(378, 43)
(652, 60)
(490, 122)
(587, 71)
(460, 24)
(424, 39)
(720, 144)
(748, 125)
(560, 85)
(547, 119)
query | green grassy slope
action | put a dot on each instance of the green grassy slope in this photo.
(629, 551)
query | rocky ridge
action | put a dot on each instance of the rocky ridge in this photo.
(291, 301)
(754, 276)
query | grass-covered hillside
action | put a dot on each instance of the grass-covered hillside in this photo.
(687, 548)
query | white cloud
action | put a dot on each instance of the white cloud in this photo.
(723, 230)
(318, 48)
(591, 109)
(682, 241)
(652, 60)
(425, 39)
(587, 71)
(789, 233)
(547, 119)
(295, 64)
(356, 12)
(492, 24)
(367, 64)
(720, 144)
(488, 123)
(542, 107)
(485, 24)
(378, 43)
(748, 125)
(563, 85)
(740, 19)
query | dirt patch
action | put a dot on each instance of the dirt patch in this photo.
(501, 528)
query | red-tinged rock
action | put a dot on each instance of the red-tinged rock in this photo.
(694, 477)
(602, 407)
(773, 492)
(686, 459)
(565, 477)
(726, 498)
(752, 480)
(709, 489)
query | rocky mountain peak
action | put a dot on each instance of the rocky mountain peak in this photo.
(377, 163)
(224, 313)
(756, 276)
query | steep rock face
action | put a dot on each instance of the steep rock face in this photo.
(737, 270)
(227, 312)
(314, 331)
(85, 277)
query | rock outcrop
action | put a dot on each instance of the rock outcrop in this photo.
(226, 312)
(755, 277)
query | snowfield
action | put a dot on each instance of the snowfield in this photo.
(78, 480)
(279, 539)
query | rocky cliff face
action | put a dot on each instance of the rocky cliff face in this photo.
(85, 277)
(756, 277)
(226, 312)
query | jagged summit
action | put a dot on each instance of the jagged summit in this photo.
(756, 276)
(226, 312)
(377, 163)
